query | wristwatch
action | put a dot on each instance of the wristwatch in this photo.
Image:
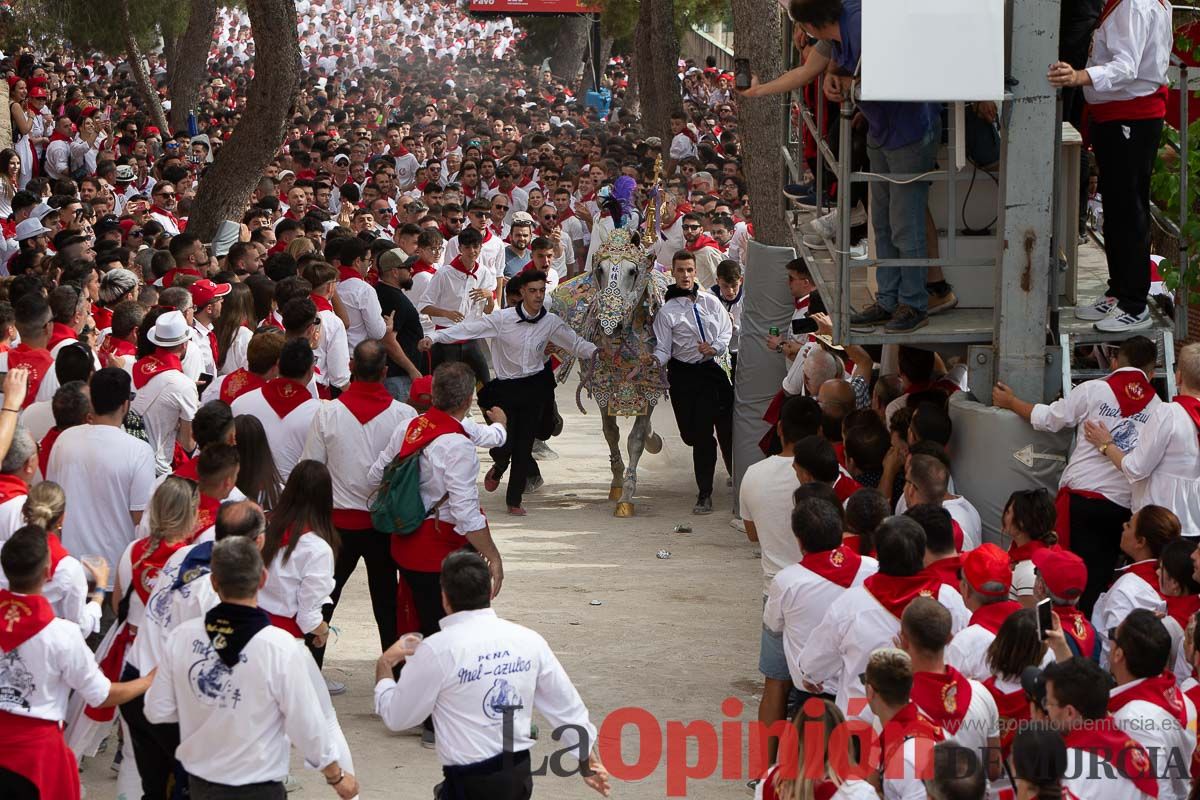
(1104, 447)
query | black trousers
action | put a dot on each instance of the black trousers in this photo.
(373, 548)
(1125, 164)
(203, 790)
(470, 353)
(702, 399)
(524, 403)
(489, 780)
(153, 749)
(1096, 538)
(425, 588)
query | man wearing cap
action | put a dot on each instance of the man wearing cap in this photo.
(1062, 577)
(58, 152)
(124, 189)
(206, 299)
(986, 580)
(395, 283)
(165, 397)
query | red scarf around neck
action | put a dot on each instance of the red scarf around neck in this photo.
(421, 266)
(39, 362)
(909, 723)
(458, 265)
(427, 427)
(57, 551)
(1103, 738)
(1018, 553)
(1160, 691)
(322, 303)
(943, 697)
(894, 593)
(702, 241)
(158, 362)
(11, 486)
(1132, 390)
(22, 616)
(992, 616)
(1076, 625)
(1013, 708)
(365, 400)
(1192, 406)
(118, 347)
(285, 395)
(61, 333)
(838, 565)
(347, 274)
(238, 382)
(1146, 570)
(1182, 608)
(944, 571)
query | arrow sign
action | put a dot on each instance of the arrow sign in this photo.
(1026, 455)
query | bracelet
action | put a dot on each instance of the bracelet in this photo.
(10, 410)
(341, 775)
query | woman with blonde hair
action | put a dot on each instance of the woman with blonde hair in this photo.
(301, 246)
(794, 778)
(67, 589)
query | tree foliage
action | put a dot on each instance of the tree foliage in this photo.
(93, 27)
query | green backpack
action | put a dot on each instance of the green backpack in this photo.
(398, 508)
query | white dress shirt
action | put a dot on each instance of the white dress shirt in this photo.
(166, 608)
(1127, 593)
(1130, 52)
(797, 603)
(518, 340)
(1169, 744)
(333, 350)
(449, 465)
(1164, 468)
(349, 448)
(1087, 469)
(39, 675)
(363, 309)
(203, 346)
(298, 587)
(236, 725)
(678, 334)
(38, 419)
(166, 400)
(236, 358)
(1092, 777)
(12, 515)
(967, 652)
(450, 289)
(491, 255)
(285, 435)
(67, 592)
(58, 159)
(462, 674)
(967, 517)
(420, 281)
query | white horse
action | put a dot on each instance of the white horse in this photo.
(613, 305)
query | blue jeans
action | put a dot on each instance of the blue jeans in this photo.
(898, 217)
(399, 387)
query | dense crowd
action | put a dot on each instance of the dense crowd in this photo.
(204, 438)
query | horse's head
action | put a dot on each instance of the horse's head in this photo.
(619, 270)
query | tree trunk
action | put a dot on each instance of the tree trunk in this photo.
(658, 67)
(570, 47)
(225, 189)
(188, 59)
(758, 34)
(606, 44)
(137, 66)
(633, 96)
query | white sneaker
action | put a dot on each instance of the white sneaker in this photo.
(815, 241)
(737, 524)
(290, 784)
(827, 225)
(335, 688)
(1122, 321)
(1097, 310)
(858, 251)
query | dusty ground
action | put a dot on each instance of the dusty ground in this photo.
(675, 637)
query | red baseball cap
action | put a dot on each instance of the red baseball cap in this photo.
(421, 393)
(205, 291)
(1063, 572)
(39, 91)
(988, 570)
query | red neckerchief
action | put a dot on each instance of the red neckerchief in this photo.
(238, 382)
(1109, 8)
(420, 266)
(1192, 406)
(46, 445)
(487, 234)
(845, 486)
(1076, 625)
(802, 303)
(852, 542)
(206, 515)
(272, 320)
(894, 592)
(909, 723)
(563, 216)
(57, 551)
(60, 137)
(115, 346)
(61, 333)
(838, 565)
(1146, 570)
(39, 362)
(1132, 390)
(366, 400)
(1161, 691)
(701, 241)
(285, 395)
(155, 364)
(22, 616)
(102, 316)
(1018, 553)
(164, 213)
(944, 697)
(168, 279)
(188, 470)
(945, 571)
(992, 616)
(148, 557)
(347, 274)
(1103, 738)
(1013, 708)
(322, 303)
(1183, 608)
(400, 151)
(427, 427)
(458, 265)
(11, 486)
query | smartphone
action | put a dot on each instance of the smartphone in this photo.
(741, 73)
(1044, 622)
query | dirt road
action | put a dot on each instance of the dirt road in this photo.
(675, 637)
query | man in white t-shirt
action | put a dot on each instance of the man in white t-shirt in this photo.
(165, 397)
(107, 474)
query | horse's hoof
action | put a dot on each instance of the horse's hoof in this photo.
(654, 444)
(623, 510)
(614, 493)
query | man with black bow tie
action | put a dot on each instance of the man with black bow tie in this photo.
(523, 384)
(693, 329)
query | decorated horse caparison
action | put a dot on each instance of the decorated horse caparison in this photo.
(613, 305)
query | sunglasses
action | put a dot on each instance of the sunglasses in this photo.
(454, 220)
(692, 227)
(500, 208)
(165, 194)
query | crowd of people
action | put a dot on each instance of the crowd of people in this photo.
(202, 439)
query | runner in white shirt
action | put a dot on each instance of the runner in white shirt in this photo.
(234, 651)
(284, 405)
(107, 474)
(357, 296)
(165, 397)
(491, 253)
(986, 581)
(461, 290)
(45, 660)
(472, 675)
